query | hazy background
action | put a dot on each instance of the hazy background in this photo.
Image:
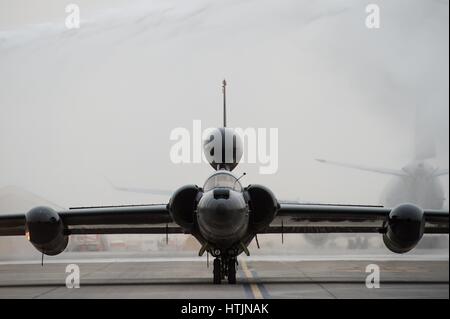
(78, 105)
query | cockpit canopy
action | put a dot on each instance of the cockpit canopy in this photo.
(223, 179)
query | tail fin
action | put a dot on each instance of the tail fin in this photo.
(224, 92)
(365, 168)
(425, 146)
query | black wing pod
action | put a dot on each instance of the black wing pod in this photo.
(45, 230)
(182, 206)
(405, 228)
(263, 207)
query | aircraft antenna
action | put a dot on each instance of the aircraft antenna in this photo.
(237, 180)
(224, 91)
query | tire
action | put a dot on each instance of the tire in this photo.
(216, 272)
(232, 271)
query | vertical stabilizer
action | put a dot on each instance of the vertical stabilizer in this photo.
(425, 146)
(224, 91)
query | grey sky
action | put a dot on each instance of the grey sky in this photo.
(76, 105)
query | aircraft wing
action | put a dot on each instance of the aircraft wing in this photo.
(140, 219)
(441, 172)
(379, 170)
(140, 190)
(313, 218)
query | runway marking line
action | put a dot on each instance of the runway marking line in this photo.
(257, 294)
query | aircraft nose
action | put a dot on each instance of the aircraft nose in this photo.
(221, 193)
(222, 213)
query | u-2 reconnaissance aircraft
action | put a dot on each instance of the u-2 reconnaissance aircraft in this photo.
(225, 216)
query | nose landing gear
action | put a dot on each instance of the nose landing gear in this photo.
(217, 271)
(224, 267)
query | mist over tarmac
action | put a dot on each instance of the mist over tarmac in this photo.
(79, 105)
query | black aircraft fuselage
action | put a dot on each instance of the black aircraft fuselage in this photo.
(223, 216)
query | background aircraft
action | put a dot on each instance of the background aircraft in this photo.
(418, 182)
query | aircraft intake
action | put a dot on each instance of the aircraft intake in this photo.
(45, 230)
(405, 228)
(182, 206)
(263, 207)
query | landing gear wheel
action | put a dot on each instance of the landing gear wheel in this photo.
(232, 271)
(217, 271)
(224, 268)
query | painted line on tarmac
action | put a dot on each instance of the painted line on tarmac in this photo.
(261, 286)
(258, 291)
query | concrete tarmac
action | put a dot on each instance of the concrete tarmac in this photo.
(257, 278)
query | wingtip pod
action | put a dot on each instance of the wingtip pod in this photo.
(405, 228)
(44, 228)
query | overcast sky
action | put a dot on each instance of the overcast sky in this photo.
(78, 105)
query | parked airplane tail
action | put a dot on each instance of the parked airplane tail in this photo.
(424, 143)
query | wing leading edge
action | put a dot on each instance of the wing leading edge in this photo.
(290, 218)
(311, 218)
(140, 219)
